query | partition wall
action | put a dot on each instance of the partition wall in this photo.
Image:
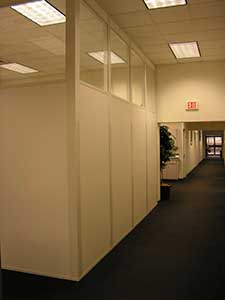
(79, 142)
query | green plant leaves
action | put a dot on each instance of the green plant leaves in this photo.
(167, 145)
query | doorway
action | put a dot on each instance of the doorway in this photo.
(214, 146)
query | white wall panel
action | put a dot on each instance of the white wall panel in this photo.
(193, 150)
(34, 181)
(153, 164)
(149, 165)
(94, 176)
(139, 163)
(121, 168)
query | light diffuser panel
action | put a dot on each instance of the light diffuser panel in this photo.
(40, 12)
(152, 4)
(18, 68)
(100, 56)
(185, 50)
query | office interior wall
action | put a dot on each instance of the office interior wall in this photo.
(200, 81)
(193, 149)
(119, 156)
(119, 84)
(34, 180)
(116, 145)
(119, 170)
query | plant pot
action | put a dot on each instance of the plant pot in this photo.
(165, 191)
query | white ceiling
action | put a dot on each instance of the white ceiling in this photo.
(201, 20)
(26, 43)
(43, 48)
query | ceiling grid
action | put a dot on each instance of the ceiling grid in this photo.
(200, 20)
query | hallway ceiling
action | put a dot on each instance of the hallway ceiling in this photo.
(212, 126)
(43, 48)
(201, 20)
(24, 42)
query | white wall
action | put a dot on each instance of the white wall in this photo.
(73, 151)
(193, 150)
(34, 180)
(202, 81)
(119, 170)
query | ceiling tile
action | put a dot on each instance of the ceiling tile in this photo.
(138, 18)
(200, 1)
(195, 36)
(165, 55)
(188, 60)
(152, 49)
(174, 27)
(146, 34)
(47, 55)
(125, 6)
(193, 26)
(204, 9)
(161, 61)
(172, 14)
(212, 51)
(212, 44)
(213, 57)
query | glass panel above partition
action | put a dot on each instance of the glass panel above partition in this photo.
(150, 89)
(93, 48)
(119, 66)
(137, 79)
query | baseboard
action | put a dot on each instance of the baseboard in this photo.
(192, 170)
(89, 268)
(85, 272)
(38, 273)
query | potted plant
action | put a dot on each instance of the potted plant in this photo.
(167, 150)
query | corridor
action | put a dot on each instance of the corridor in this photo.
(176, 253)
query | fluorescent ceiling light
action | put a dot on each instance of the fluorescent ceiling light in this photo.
(18, 68)
(152, 4)
(40, 12)
(185, 50)
(100, 56)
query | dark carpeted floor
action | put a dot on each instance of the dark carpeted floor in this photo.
(176, 253)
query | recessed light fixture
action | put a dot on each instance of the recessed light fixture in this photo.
(40, 12)
(185, 50)
(100, 56)
(152, 4)
(18, 68)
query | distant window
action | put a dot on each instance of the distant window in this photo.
(210, 141)
(218, 140)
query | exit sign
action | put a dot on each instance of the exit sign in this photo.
(192, 105)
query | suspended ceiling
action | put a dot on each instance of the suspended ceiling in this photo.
(201, 20)
(24, 42)
(43, 48)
